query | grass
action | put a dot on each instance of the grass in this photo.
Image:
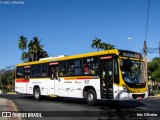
(156, 91)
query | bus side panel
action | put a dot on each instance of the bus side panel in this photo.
(21, 87)
(63, 87)
(74, 88)
(42, 83)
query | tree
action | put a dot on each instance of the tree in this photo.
(7, 76)
(25, 56)
(154, 70)
(34, 50)
(96, 43)
(22, 43)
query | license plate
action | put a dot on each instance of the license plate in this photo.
(139, 97)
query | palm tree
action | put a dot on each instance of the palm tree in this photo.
(36, 50)
(25, 57)
(96, 43)
(43, 54)
(22, 43)
(110, 46)
(106, 46)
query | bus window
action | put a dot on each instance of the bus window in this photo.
(90, 65)
(86, 69)
(20, 72)
(78, 67)
(36, 71)
(94, 68)
(44, 70)
(62, 68)
(74, 67)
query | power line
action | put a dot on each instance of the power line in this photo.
(154, 50)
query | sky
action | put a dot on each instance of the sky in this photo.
(67, 27)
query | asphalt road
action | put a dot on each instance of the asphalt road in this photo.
(71, 109)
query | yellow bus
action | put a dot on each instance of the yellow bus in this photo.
(103, 75)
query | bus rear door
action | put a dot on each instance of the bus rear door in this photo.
(53, 73)
(27, 78)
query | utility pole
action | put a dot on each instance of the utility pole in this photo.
(145, 57)
(159, 48)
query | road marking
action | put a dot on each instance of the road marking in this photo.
(142, 108)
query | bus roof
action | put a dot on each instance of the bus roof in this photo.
(62, 57)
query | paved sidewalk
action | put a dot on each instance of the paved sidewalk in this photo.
(7, 105)
(155, 96)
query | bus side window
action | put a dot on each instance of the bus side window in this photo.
(62, 68)
(86, 69)
(20, 72)
(90, 65)
(44, 70)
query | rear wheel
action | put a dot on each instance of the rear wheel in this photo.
(37, 94)
(91, 98)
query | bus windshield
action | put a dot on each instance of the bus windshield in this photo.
(132, 71)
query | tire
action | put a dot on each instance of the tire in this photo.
(91, 97)
(37, 94)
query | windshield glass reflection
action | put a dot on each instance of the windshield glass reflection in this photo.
(132, 71)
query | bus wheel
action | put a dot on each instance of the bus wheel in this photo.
(37, 94)
(91, 97)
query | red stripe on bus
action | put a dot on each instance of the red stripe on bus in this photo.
(87, 78)
(22, 80)
(84, 78)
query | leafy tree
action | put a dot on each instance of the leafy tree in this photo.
(7, 76)
(154, 70)
(34, 50)
(96, 43)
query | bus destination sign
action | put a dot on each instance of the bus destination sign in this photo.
(130, 54)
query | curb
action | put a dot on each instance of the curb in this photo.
(157, 96)
(11, 92)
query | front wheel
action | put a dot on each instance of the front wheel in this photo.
(37, 94)
(91, 97)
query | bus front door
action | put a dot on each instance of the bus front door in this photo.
(106, 76)
(27, 77)
(53, 73)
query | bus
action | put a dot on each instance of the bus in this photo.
(103, 75)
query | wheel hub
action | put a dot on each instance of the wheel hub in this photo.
(90, 97)
(36, 94)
